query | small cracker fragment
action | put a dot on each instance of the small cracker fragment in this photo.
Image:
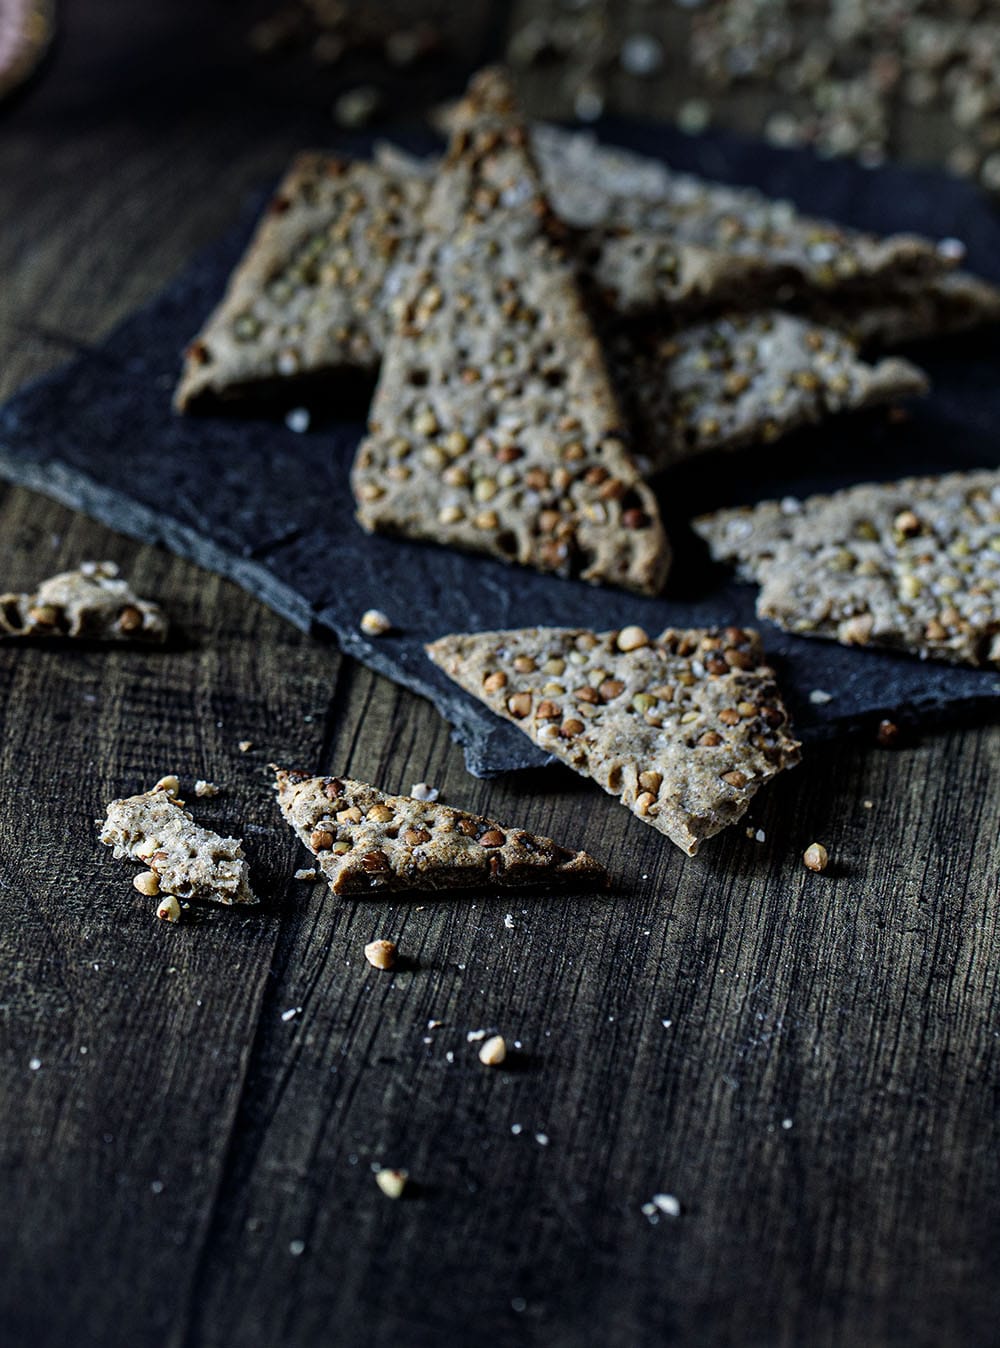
(494, 426)
(912, 565)
(311, 294)
(92, 603)
(743, 379)
(188, 861)
(366, 840)
(683, 729)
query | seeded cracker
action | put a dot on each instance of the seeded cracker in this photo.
(365, 840)
(188, 861)
(684, 730)
(912, 565)
(494, 426)
(591, 184)
(312, 293)
(742, 379)
(92, 603)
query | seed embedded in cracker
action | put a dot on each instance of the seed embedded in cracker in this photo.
(683, 729)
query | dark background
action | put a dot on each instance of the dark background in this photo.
(822, 1103)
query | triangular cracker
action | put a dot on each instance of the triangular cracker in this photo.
(494, 426)
(189, 861)
(912, 565)
(744, 379)
(365, 840)
(312, 293)
(591, 184)
(683, 729)
(91, 604)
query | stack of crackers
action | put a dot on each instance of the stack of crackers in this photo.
(551, 324)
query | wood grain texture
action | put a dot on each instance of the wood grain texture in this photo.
(822, 1102)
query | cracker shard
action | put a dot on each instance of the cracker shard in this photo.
(312, 291)
(494, 426)
(912, 565)
(745, 378)
(92, 603)
(683, 729)
(189, 861)
(366, 840)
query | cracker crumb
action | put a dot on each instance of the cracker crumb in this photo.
(508, 921)
(474, 1036)
(381, 954)
(170, 784)
(297, 419)
(308, 873)
(203, 788)
(34, 1064)
(819, 697)
(542, 1139)
(816, 857)
(245, 746)
(375, 623)
(516, 1129)
(421, 791)
(434, 1024)
(148, 883)
(494, 1051)
(668, 1204)
(868, 804)
(291, 1013)
(392, 1182)
(760, 836)
(296, 1247)
(787, 1123)
(168, 910)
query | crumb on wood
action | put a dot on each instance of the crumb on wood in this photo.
(421, 791)
(203, 788)
(245, 746)
(308, 873)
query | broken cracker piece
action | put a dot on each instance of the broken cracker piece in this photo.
(494, 425)
(684, 729)
(366, 840)
(912, 565)
(92, 603)
(188, 861)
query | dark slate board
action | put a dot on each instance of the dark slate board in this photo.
(272, 509)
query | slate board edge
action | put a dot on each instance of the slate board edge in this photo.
(78, 491)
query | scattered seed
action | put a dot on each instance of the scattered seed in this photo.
(375, 623)
(169, 910)
(392, 1182)
(816, 857)
(381, 954)
(493, 1052)
(148, 883)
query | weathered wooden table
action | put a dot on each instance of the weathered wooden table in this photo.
(191, 1115)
